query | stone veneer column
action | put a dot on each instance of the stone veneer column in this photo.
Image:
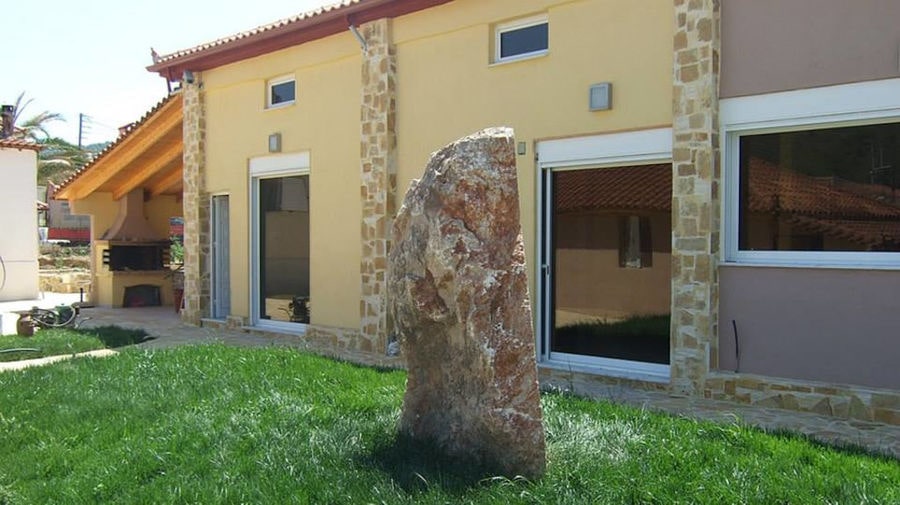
(196, 206)
(695, 194)
(378, 171)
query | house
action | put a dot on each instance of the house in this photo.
(132, 191)
(18, 219)
(672, 157)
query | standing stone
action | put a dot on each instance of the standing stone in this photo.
(458, 295)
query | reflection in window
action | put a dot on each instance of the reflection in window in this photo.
(284, 248)
(610, 298)
(835, 189)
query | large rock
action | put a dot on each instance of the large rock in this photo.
(458, 295)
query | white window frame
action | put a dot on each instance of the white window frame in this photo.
(519, 24)
(274, 82)
(269, 167)
(586, 153)
(856, 104)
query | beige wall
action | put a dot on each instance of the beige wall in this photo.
(838, 326)
(446, 88)
(777, 45)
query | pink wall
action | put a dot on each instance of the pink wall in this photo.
(832, 325)
(777, 45)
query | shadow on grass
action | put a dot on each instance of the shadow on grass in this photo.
(417, 466)
(116, 336)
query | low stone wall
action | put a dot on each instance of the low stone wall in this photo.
(65, 281)
(837, 400)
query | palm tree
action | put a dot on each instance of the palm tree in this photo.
(35, 127)
(58, 159)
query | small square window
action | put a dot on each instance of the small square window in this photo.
(280, 92)
(522, 38)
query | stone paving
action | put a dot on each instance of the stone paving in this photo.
(166, 330)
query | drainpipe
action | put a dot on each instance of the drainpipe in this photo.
(359, 37)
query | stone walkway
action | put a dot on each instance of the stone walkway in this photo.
(166, 330)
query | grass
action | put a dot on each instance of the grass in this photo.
(211, 424)
(56, 341)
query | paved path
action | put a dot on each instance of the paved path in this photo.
(166, 330)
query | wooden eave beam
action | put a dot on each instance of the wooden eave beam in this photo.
(142, 174)
(169, 181)
(138, 142)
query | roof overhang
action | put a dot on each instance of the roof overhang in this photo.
(148, 156)
(20, 144)
(286, 33)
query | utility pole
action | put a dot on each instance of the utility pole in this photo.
(80, 128)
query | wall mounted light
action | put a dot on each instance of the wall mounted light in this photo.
(188, 77)
(521, 148)
(600, 97)
(275, 143)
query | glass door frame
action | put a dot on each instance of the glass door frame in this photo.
(269, 167)
(642, 147)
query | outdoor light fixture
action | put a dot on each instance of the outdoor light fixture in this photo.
(188, 77)
(521, 148)
(600, 97)
(275, 143)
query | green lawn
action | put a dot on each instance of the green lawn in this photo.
(212, 424)
(56, 341)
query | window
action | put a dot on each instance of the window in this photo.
(280, 92)
(522, 38)
(812, 177)
(834, 189)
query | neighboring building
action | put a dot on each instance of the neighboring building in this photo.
(61, 223)
(18, 220)
(301, 138)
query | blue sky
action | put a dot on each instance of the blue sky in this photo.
(90, 56)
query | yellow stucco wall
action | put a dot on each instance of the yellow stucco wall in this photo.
(447, 87)
(324, 121)
(447, 82)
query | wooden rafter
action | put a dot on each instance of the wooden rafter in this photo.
(167, 182)
(142, 174)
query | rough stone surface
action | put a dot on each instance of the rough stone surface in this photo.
(458, 296)
(196, 206)
(696, 179)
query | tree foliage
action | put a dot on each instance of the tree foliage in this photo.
(59, 159)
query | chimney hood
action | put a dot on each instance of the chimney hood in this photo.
(131, 225)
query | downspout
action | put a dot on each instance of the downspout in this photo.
(355, 32)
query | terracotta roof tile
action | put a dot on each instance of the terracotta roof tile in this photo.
(20, 144)
(255, 31)
(773, 189)
(647, 187)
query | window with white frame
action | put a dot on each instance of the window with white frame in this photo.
(522, 38)
(281, 91)
(816, 189)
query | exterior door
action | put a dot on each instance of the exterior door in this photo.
(605, 265)
(221, 282)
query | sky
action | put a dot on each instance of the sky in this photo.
(90, 56)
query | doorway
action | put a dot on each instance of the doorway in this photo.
(608, 248)
(221, 279)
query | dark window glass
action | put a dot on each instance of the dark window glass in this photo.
(523, 40)
(609, 298)
(835, 189)
(283, 92)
